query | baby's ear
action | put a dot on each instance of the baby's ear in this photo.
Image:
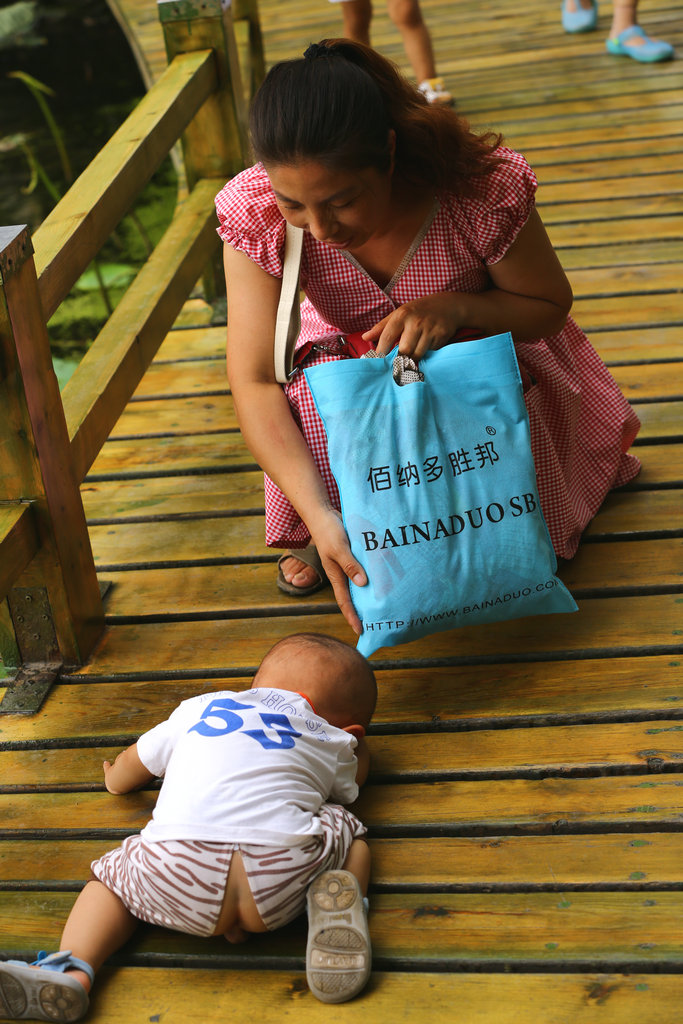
(356, 730)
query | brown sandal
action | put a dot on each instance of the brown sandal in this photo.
(310, 557)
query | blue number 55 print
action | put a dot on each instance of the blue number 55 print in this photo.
(224, 711)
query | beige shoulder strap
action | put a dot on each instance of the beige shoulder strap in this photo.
(288, 319)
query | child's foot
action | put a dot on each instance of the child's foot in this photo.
(338, 952)
(46, 990)
(434, 91)
(634, 42)
(579, 15)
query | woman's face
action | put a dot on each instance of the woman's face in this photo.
(343, 209)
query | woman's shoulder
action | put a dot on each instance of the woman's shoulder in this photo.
(249, 218)
(509, 180)
(247, 201)
(497, 206)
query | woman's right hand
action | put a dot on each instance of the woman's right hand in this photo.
(329, 537)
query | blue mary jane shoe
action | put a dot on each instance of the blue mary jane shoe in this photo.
(582, 19)
(648, 52)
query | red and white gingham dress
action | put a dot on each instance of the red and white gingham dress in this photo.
(581, 424)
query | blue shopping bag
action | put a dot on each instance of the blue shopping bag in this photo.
(438, 491)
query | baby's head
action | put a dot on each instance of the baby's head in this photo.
(332, 675)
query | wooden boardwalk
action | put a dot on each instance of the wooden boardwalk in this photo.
(526, 799)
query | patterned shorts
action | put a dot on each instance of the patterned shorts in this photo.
(180, 884)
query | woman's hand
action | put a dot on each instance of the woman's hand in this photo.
(329, 537)
(418, 326)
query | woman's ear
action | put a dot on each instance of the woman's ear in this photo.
(356, 730)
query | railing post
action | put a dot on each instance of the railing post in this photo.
(215, 142)
(36, 466)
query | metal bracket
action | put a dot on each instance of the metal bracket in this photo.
(41, 659)
(29, 688)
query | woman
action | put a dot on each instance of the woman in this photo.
(418, 233)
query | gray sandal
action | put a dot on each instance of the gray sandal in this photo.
(310, 557)
(37, 993)
(338, 951)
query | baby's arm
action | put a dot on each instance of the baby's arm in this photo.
(126, 773)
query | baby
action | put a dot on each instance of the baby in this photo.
(242, 836)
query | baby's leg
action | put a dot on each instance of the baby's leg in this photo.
(97, 926)
(56, 987)
(358, 863)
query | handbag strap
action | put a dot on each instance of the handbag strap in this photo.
(288, 318)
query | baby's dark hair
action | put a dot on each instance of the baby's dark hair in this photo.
(337, 105)
(343, 691)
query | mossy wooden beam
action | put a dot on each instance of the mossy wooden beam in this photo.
(36, 458)
(114, 365)
(18, 543)
(82, 221)
(215, 142)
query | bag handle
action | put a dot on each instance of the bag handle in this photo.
(288, 318)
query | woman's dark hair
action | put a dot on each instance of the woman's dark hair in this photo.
(337, 104)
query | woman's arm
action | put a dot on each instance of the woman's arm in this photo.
(268, 427)
(126, 773)
(529, 296)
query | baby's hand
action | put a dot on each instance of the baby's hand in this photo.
(107, 767)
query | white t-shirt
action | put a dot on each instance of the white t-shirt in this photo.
(250, 767)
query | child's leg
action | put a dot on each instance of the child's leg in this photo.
(357, 15)
(97, 926)
(407, 17)
(358, 863)
(56, 987)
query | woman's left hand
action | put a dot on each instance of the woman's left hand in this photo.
(418, 326)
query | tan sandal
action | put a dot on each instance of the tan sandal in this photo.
(309, 556)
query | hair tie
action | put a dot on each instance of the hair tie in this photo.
(316, 50)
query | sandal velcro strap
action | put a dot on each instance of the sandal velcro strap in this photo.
(63, 961)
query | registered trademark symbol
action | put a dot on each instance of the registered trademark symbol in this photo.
(490, 430)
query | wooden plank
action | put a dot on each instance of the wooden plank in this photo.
(635, 311)
(81, 222)
(626, 514)
(553, 195)
(112, 367)
(614, 254)
(208, 414)
(598, 629)
(152, 456)
(220, 451)
(215, 492)
(475, 696)
(634, 860)
(136, 994)
(616, 929)
(624, 230)
(18, 543)
(592, 749)
(192, 343)
(208, 376)
(626, 280)
(617, 345)
(248, 589)
(163, 380)
(660, 420)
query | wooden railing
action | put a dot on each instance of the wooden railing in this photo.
(48, 442)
